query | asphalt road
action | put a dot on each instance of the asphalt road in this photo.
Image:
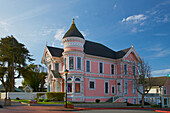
(116, 111)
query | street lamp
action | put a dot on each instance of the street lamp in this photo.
(160, 97)
(66, 72)
(6, 74)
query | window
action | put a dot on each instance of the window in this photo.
(125, 100)
(165, 101)
(106, 87)
(77, 79)
(69, 79)
(134, 101)
(49, 67)
(125, 69)
(87, 66)
(78, 63)
(100, 67)
(71, 62)
(164, 90)
(65, 63)
(69, 90)
(56, 66)
(134, 87)
(112, 69)
(113, 90)
(134, 70)
(92, 85)
(126, 87)
(77, 87)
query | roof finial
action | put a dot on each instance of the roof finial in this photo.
(73, 21)
(132, 45)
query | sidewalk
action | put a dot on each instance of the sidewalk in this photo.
(22, 108)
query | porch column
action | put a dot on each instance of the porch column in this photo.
(56, 85)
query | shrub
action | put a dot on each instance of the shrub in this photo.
(55, 96)
(155, 106)
(145, 103)
(39, 95)
(45, 100)
(17, 98)
(40, 100)
(130, 104)
(97, 100)
(68, 103)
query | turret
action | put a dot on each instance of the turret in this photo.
(73, 40)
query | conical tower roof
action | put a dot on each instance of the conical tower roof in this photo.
(73, 31)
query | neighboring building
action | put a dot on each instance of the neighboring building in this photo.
(95, 71)
(160, 90)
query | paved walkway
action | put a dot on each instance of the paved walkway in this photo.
(17, 107)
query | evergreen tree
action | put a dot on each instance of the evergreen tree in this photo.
(34, 76)
(13, 57)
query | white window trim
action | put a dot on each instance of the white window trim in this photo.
(111, 69)
(78, 82)
(114, 89)
(102, 68)
(69, 63)
(65, 64)
(165, 90)
(126, 81)
(94, 85)
(108, 88)
(135, 69)
(134, 102)
(134, 88)
(89, 66)
(80, 63)
(72, 87)
(126, 69)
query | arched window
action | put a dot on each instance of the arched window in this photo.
(69, 79)
(77, 79)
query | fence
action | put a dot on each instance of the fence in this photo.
(20, 95)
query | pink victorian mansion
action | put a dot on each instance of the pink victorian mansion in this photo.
(95, 71)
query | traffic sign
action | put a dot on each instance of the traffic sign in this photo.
(168, 75)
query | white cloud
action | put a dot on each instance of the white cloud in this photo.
(4, 26)
(160, 34)
(135, 18)
(47, 31)
(115, 6)
(155, 48)
(34, 12)
(76, 17)
(162, 53)
(59, 34)
(165, 18)
(84, 33)
(161, 72)
(134, 30)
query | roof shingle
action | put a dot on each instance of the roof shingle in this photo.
(93, 48)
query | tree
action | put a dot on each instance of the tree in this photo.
(13, 57)
(34, 76)
(143, 79)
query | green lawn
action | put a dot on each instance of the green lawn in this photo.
(22, 100)
(50, 102)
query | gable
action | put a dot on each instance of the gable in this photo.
(132, 55)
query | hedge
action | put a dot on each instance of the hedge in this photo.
(55, 96)
(39, 95)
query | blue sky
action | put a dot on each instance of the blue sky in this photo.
(115, 23)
